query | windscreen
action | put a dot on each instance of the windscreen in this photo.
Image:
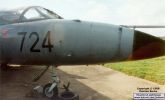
(26, 14)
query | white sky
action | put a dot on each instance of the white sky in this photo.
(120, 12)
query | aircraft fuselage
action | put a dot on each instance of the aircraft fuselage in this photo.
(64, 42)
(61, 42)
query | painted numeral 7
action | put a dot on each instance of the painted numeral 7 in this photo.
(23, 39)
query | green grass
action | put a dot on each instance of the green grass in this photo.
(150, 69)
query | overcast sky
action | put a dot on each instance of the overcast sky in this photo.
(119, 12)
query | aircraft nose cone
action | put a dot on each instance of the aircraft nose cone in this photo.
(147, 46)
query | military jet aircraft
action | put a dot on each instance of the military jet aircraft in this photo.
(38, 36)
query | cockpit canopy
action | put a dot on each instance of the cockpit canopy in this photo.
(27, 14)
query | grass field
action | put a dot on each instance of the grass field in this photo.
(150, 69)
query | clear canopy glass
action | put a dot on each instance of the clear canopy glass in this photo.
(26, 14)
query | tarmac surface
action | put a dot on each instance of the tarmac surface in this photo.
(90, 82)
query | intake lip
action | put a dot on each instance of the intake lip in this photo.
(147, 46)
